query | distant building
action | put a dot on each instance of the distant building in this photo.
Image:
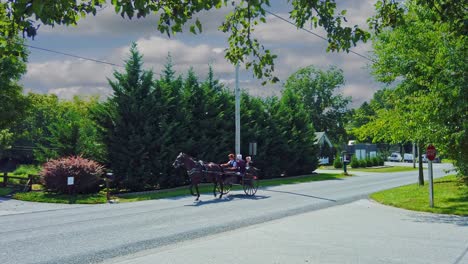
(362, 150)
(325, 148)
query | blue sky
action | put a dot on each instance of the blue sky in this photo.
(107, 37)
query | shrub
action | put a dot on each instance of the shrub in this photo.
(375, 161)
(337, 163)
(369, 162)
(380, 161)
(354, 162)
(363, 163)
(87, 173)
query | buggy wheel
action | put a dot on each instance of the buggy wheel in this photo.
(250, 185)
(226, 188)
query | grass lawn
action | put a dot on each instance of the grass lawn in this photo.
(182, 191)
(5, 190)
(385, 169)
(449, 197)
(61, 198)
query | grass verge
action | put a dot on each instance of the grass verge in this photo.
(182, 191)
(449, 197)
(45, 197)
(385, 169)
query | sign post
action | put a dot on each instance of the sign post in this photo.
(70, 183)
(430, 155)
(343, 154)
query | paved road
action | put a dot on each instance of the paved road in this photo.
(358, 232)
(88, 234)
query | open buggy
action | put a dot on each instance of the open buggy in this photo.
(222, 179)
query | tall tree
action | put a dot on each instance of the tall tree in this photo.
(52, 128)
(13, 57)
(298, 151)
(134, 137)
(318, 91)
(426, 56)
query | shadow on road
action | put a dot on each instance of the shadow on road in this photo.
(4, 199)
(300, 194)
(460, 258)
(440, 219)
(228, 198)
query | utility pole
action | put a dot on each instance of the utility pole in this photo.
(237, 93)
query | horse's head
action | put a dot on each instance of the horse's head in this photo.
(179, 161)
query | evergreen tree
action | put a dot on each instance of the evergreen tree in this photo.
(135, 134)
(299, 151)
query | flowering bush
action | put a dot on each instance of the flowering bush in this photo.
(87, 175)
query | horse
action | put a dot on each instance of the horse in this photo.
(212, 172)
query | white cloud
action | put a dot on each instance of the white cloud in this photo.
(155, 50)
(295, 49)
(70, 92)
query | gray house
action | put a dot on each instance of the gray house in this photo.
(362, 150)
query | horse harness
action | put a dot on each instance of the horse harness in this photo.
(199, 167)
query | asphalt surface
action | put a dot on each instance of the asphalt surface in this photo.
(90, 234)
(359, 232)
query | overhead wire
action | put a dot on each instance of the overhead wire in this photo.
(122, 66)
(315, 34)
(72, 55)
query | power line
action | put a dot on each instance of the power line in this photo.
(72, 55)
(78, 57)
(315, 34)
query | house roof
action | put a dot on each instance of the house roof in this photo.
(321, 138)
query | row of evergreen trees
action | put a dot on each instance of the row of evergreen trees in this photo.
(148, 121)
(142, 127)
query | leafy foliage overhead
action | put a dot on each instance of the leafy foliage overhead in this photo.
(26, 17)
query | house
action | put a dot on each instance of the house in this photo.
(325, 147)
(362, 150)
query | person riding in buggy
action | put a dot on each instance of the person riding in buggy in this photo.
(235, 167)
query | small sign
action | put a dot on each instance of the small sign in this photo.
(431, 152)
(253, 148)
(70, 180)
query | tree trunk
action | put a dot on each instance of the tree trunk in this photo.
(421, 173)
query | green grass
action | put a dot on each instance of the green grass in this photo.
(15, 181)
(449, 197)
(46, 197)
(302, 179)
(208, 188)
(27, 169)
(385, 169)
(182, 191)
(5, 190)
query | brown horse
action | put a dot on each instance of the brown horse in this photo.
(200, 170)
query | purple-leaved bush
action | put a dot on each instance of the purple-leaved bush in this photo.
(87, 174)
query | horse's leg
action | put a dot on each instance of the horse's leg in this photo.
(191, 190)
(215, 184)
(198, 192)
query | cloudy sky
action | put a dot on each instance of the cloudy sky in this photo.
(107, 37)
